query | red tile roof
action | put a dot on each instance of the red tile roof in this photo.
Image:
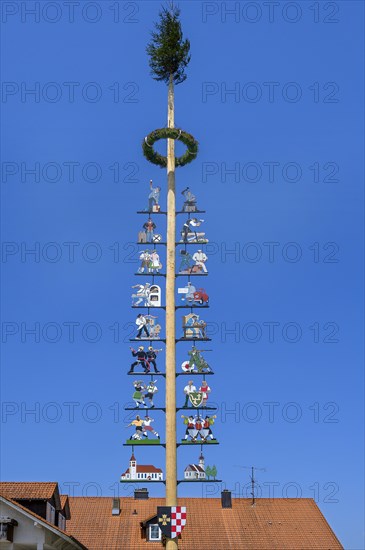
(28, 489)
(281, 524)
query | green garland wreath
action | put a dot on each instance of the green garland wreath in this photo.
(169, 133)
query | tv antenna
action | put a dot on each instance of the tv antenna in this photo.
(252, 477)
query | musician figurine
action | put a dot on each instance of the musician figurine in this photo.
(141, 360)
(152, 356)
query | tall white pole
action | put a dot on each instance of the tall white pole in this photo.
(171, 465)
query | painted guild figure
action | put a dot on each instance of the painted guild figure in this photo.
(190, 233)
(191, 430)
(199, 427)
(141, 360)
(138, 423)
(196, 362)
(141, 295)
(143, 428)
(187, 262)
(150, 261)
(190, 201)
(205, 390)
(189, 388)
(153, 198)
(138, 396)
(151, 389)
(146, 324)
(155, 264)
(193, 264)
(206, 430)
(147, 428)
(193, 328)
(149, 228)
(192, 295)
(141, 323)
(151, 358)
(200, 258)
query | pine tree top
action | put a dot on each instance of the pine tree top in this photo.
(169, 53)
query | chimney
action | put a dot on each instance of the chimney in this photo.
(141, 494)
(226, 499)
(116, 507)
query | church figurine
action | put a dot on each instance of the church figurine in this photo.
(141, 473)
(194, 472)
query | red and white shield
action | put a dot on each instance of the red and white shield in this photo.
(178, 520)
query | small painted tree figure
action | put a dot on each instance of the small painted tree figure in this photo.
(189, 388)
(151, 389)
(208, 471)
(138, 396)
(214, 472)
(205, 390)
(152, 356)
(206, 430)
(141, 360)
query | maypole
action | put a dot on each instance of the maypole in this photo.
(171, 466)
(169, 55)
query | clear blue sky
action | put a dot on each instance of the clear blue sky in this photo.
(293, 133)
